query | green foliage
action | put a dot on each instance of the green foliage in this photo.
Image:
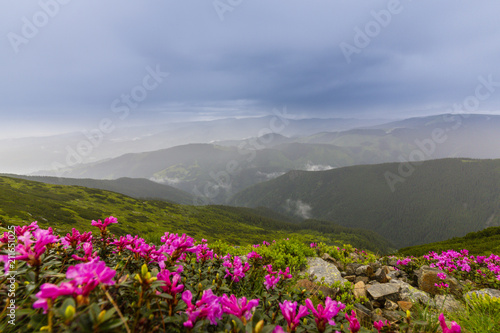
(24, 201)
(481, 314)
(478, 243)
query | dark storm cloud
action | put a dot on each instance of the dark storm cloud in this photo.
(422, 58)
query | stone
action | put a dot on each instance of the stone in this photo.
(405, 306)
(351, 267)
(390, 305)
(411, 294)
(340, 265)
(493, 293)
(314, 289)
(360, 290)
(350, 278)
(323, 269)
(381, 275)
(385, 291)
(364, 270)
(363, 314)
(447, 303)
(363, 279)
(392, 316)
(427, 279)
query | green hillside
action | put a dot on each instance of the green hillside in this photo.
(483, 242)
(64, 207)
(440, 199)
(133, 187)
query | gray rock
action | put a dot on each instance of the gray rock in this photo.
(323, 269)
(427, 280)
(364, 270)
(411, 294)
(384, 291)
(494, 293)
(447, 303)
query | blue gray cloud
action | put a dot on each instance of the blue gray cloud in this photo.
(66, 61)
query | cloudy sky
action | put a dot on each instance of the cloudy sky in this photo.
(68, 64)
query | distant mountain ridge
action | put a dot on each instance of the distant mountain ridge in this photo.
(212, 173)
(437, 200)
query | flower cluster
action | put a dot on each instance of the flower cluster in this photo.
(83, 278)
(235, 269)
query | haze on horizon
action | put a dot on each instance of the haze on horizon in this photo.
(66, 65)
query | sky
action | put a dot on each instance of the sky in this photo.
(68, 64)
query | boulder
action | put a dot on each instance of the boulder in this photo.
(340, 265)
(447, 303)
(351, 267)
(323, 269)
(411, 294)
(314, 289)
(390, 305)
(427, 279)
(363, 279)
(381, 275)
(360, 290)
(384, 291)
(364, 270)
(493, 293)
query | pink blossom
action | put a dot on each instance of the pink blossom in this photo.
(286, 274)
(171, 280)
(455, 328)
(207, 307)
(254, 255)
(20, 230)
(103, 225)
(379, 325)
(325, 314)
(90, 275)
(238, 269)
(288, 309)
(354, 325)
(271, 281)
(75, 238)
(241, 308)
(52, 291)
(88, 253)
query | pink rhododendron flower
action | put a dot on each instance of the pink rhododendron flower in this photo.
(455, 328)
(379, 325)
(89, 275)
(241, 308)
(75, 238)
(238, 269)
(442, 276)
(254, 255)
(103, 225)
(271, 281)
(20, 230)
(288, 309)
(325, 314)
(286, 274)
(52, 291)
(354, 325)
(88, 253)
(171, 280)
(207, 307)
